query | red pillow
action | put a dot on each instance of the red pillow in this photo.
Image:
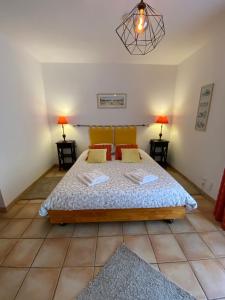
(119, 147)
(108, 147)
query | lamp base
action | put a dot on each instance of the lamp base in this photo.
(64, 138)
(63, 135)
(160, 134)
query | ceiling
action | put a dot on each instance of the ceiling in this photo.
(72, 31)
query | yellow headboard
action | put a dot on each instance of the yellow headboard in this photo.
(100, 135)
(125, 135)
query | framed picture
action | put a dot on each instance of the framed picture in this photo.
(111, 100)
(204, 107)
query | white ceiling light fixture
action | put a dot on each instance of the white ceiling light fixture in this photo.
(141, 30)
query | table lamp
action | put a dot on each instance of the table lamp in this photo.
(161, 120)
(62, 121)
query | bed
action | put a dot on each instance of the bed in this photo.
(118, 199)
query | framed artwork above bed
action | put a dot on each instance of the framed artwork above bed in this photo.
(112, 100)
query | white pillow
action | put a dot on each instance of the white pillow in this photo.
(112, 146)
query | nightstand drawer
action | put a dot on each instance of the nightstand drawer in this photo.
(66, 153)
(159, 150)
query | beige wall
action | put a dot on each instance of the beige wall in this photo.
(71, 89)
(200, 155)
(25, 151)
(27, 144)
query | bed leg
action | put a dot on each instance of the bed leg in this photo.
(62, 224)
(170, 221)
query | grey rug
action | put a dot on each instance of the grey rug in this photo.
(127, 277)
(41, 189)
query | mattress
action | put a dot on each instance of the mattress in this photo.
(118, 192)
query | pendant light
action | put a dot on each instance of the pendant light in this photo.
(141, 30)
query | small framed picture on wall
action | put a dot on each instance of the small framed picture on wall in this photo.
(112, 100)
(204, 107)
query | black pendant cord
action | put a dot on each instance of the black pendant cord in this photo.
(141, 5)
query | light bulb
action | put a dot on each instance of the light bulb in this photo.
(140, 22)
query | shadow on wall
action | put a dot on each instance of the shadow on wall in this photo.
(2, 204)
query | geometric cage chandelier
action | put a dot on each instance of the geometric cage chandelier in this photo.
(141, 30)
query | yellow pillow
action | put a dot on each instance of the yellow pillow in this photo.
(96, 155)
(130, 155)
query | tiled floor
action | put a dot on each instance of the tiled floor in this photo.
(41, 261)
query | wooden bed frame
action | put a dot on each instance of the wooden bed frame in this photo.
(123, 135)
(113, 215)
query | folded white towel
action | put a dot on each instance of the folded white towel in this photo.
(140, 176)
(85, 181)
(92, 178)
(138, 181)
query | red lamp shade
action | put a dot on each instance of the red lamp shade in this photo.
(162, 120)
(62, 120)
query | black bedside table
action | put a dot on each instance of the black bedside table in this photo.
(66, 153)
(159, 150)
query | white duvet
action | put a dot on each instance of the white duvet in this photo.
(119, 191)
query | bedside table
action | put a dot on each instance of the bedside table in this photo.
(159, 150)
(66, 153)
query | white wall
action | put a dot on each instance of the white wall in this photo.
(200, 155)
(25, 144)
(71, 90)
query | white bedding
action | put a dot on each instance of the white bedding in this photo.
(118, 191)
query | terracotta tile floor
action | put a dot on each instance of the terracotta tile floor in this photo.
(42, 261)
